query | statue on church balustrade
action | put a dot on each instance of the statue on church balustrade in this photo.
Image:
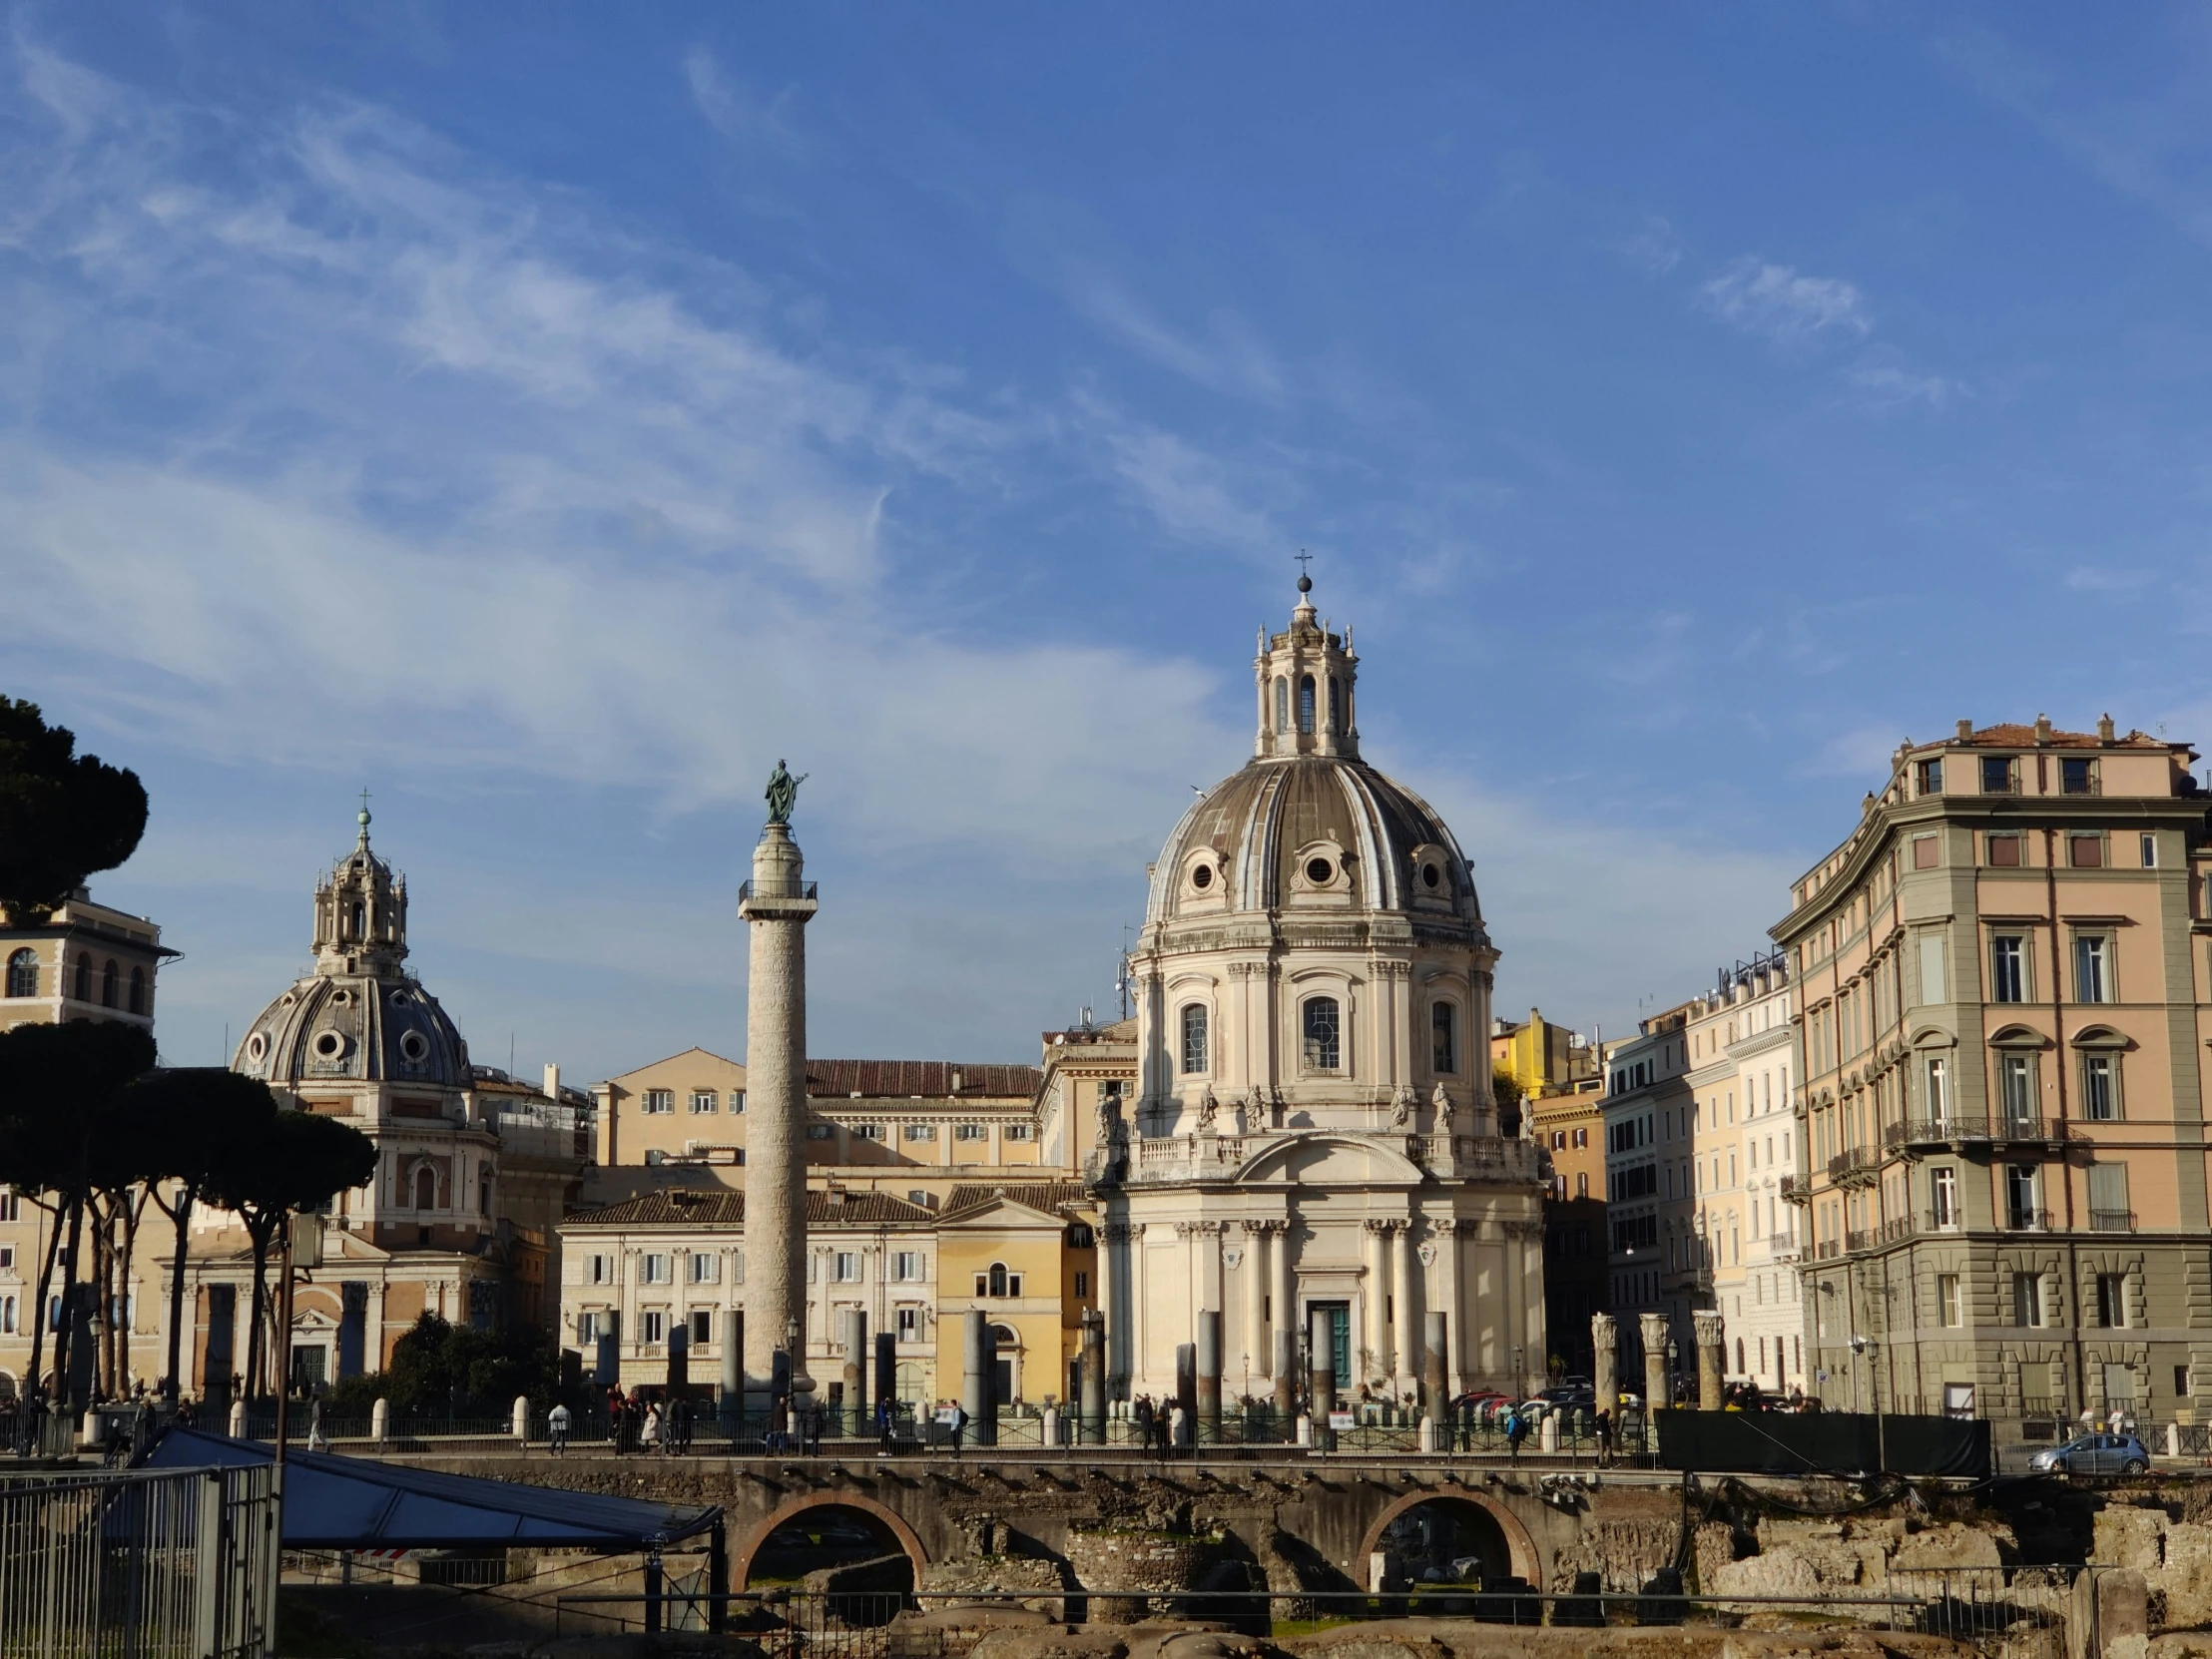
(1442, 1103)
(1208, 1108)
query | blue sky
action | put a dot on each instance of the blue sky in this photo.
(548, 417)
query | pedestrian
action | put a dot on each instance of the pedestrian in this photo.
(1179, 1429)
(882, 1428)
(1141, 1413)
(556, 1429)
(814, 1430)
(960, 1427)
(651, 1439)
(1516, 1430)
(1604, 1438)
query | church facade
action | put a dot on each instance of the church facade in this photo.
(1308, 1146)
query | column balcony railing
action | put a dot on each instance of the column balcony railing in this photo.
(2111, 1221)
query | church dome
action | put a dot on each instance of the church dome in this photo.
(1307, 822)
(1311, 829)
(360, 1016)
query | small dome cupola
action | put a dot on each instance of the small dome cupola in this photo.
(1305, 676)
(360, 912)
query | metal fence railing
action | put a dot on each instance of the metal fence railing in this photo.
(154, 1564)
(858, 1624)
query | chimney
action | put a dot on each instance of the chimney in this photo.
(2104, 728)
(2043, 728)
(552, 1081)
(956, 1082)
(1965, 731)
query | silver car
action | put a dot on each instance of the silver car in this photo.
(2093, 1455)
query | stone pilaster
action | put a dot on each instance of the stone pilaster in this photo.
(1653, 1329)
(1606, 1367)
(778, 904)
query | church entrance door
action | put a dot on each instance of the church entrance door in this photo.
(1339, 1316)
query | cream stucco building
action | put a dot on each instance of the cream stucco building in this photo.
(1311, 1130)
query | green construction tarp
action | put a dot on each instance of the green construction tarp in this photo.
(1809, 1443)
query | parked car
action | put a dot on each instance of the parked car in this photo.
(2093, 1455)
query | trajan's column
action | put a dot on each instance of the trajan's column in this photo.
(778, 904)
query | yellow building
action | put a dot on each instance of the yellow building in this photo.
(1028, 1257)
(1541, 1057)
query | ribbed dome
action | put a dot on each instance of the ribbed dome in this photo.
(348, 1027)
(1261, 837)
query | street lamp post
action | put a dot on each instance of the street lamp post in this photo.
(1866, 1348)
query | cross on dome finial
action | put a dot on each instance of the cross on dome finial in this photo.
(1305, 576)
(363, 818)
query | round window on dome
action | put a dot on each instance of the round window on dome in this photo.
(1430, 876)
(256, 1046)
(329, 1045)
(415, 1047)
(1202, 876)
(1318, 871)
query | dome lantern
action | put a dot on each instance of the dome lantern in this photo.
(1305, 676)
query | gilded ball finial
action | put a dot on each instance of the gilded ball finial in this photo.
(1304, 584)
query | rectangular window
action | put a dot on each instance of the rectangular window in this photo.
(2022, 1212)
(651, 1270)
(1936, 1086)
(844, 1267)
(602, 1270)
(588, 1327)
(2008, 969)
(1082, 1282)
(868, 1131)
(656, 1328)
(2150, 852)
(2077, 776)
(703, 1100)
(971, 1132)
(737, 1102)
(1943, 1195)
(11, 1204)
(737, 1266)
(1194, 1038)
(2112, 1301)
(1930, 779)
(1932, 969)
(2085, 851)
(2017, 1087)
(909, 1324)
(920, 1132)
(822, 1131)
(2028, 1298)
(657, 1101)
(705, 1268)
(2109, 1211)
(1947, 1311)
(1016, 1132)
(702, 1326)
(1320, 1048)
(1996, 774)
(2003, 852)
(1926, 852)
(1443, 1038)
(2100, 1094)
(906, 1266)
(2092, 967)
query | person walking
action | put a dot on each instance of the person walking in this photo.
(960, 1427)
(651, 1439)
(882, 1428)
(556, 1429)
(1604, 1438)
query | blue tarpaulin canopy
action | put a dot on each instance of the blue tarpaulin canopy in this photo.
(333, 1502)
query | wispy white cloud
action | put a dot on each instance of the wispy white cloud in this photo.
(734, 110)
(1653, 248)
(1228, 356)
(2109, 579)
(1882, 379)
(1780, 304)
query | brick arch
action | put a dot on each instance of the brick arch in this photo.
(1520, 1547)
(741, 1564)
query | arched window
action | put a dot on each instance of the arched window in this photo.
(138, 990)
(998, 1279)
(426, 1187)
(23, 973)
(84, 977)
(1305, 704)
(1443, 1038)
(360, 920)
(1194, 1036)
(109, 979)
(1283, 722)
(1582, 1183)
(1336, 705)
(1319, 1027)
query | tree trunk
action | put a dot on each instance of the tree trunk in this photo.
(173, 1384)
(69, 1295)
(134, 1210)
(45, 1287)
